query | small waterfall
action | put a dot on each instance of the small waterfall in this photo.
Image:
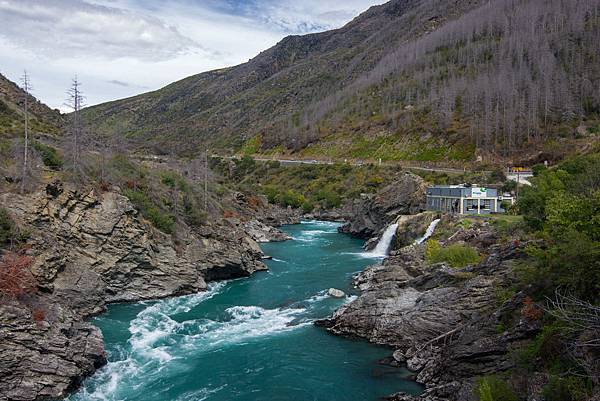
(429, 232)
(383, 246)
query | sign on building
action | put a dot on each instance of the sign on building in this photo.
(478, 192)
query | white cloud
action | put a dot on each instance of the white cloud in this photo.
(309, 15)
(72, 28)
(119, 48)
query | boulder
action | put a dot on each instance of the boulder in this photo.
(335, 293)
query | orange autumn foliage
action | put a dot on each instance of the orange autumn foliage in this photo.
(16, 278)
(530, 311)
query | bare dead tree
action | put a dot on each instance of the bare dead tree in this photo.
(75, 101)
(26, 86)
(206, 181)
(582, 321)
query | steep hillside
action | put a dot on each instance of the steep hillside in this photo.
(424, 80)
(42, 118)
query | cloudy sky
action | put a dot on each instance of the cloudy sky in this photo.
(120, 48)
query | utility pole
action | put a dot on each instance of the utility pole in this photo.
(26, 86)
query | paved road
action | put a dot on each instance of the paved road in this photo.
(522, 178)
(355, 163)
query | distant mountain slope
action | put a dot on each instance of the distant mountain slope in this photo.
(42, 118)
(425, 80)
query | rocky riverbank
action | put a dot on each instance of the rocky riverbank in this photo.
(447, 324)
(91, 249)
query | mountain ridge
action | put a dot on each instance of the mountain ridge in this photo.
(403, 80)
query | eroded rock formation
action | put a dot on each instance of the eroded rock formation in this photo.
(91, 249)
(370, 214)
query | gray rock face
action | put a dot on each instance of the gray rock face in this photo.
(372, 213)
(442, 321)
(46, 359)
(261, 232)
(91, 249)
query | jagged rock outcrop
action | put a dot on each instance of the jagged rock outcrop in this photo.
(261, 232)
(442, 321)
(372, 213)
(91, 249)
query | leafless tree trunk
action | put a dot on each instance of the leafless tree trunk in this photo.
(206, 180)
(75, 102)
(26, 86)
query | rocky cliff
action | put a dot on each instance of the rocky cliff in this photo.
(442, 321)
(91, 249)
(370, 214)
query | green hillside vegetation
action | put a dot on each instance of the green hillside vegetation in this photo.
(562, 214)
(305, 186)
(324, 186)
(456, 255)
(563, 207)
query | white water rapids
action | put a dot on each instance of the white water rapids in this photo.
(383, 246)
(429, 232)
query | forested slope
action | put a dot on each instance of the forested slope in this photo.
(424, 80)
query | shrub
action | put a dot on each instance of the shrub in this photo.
(538, 169)
(498, 175)
(16, 278)
(49, 155)
(530, 310)
(173, 180)
(566, 389)
(244, 166)
(307, 206)
(456, 255)
(252, 145)
(271, 193)
(329, 198)
(504, 294)
(192, 214)
(509, 186)
(7, 227)
(291, 198)
(10, 234)
(546, 350)
(228, 214)
(38, 315)
(160, 219)
(492, 388)
(374, 181)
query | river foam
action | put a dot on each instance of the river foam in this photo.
(248, 339)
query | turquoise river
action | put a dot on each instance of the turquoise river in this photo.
(249, 339)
